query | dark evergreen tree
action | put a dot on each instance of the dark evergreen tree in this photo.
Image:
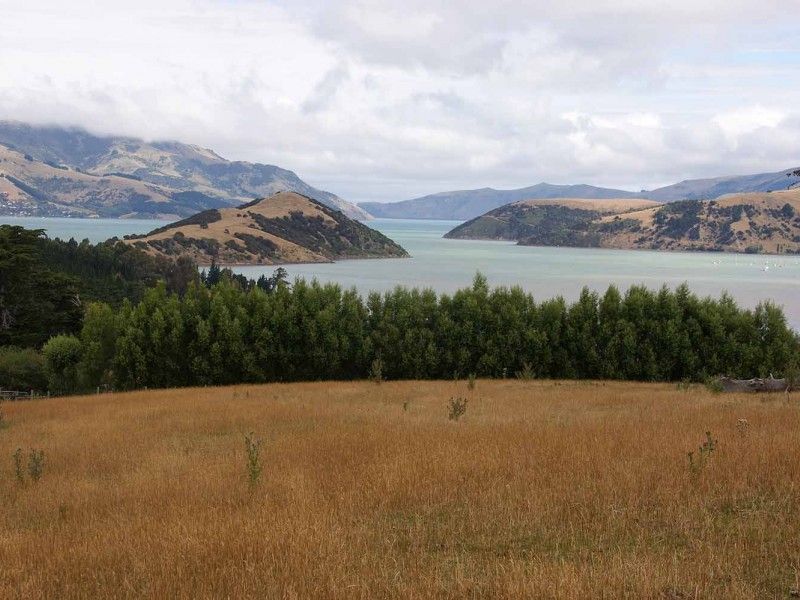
(214, 274)
(36, 301)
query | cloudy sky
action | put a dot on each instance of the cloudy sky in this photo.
(383, 100)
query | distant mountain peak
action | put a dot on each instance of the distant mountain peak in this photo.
(713, 187)
(468, 204)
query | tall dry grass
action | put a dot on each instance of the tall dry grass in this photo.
(542, 489)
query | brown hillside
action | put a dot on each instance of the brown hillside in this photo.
(285, 228)
(31, 187)
(751, 222)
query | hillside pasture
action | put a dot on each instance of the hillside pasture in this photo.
(541, 489)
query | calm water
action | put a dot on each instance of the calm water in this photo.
(95, 230)
(447, 265)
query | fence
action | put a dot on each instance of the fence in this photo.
(12, 395)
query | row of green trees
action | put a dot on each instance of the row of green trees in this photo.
(308, 331)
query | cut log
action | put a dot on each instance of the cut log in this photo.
(753, 385)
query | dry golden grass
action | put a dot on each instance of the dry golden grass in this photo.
(543, 489)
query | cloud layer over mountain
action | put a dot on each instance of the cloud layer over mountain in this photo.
(377, 100)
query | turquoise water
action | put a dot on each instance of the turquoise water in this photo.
(95, 230)
(447, 265)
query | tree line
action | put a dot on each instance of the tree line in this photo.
(225, 334)
(76, 315)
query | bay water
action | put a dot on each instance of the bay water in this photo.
(446, 265)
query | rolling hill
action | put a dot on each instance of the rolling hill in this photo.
(71, 172)
(284, 228)
(754, 222)
(708, 189)
(468, 204)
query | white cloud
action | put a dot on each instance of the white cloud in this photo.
(376, 100)
(737, 123)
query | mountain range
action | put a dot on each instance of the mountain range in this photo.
(58, 171)
(467, 204)
(63, 171)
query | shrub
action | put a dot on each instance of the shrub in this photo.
(62, 355)
(471, 382)
(714, 385)
(526, 372)
(743, 426)
(36, 464)
(456, 408)
(704, 453)
(18, 470)
(22, 369)
(253, 448)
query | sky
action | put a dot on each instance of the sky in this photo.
(378, 100)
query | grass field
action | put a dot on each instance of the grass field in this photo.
(542, 489)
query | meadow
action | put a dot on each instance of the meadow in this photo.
(540, 489)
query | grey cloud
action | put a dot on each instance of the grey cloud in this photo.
(463, 37)
(326, 89)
